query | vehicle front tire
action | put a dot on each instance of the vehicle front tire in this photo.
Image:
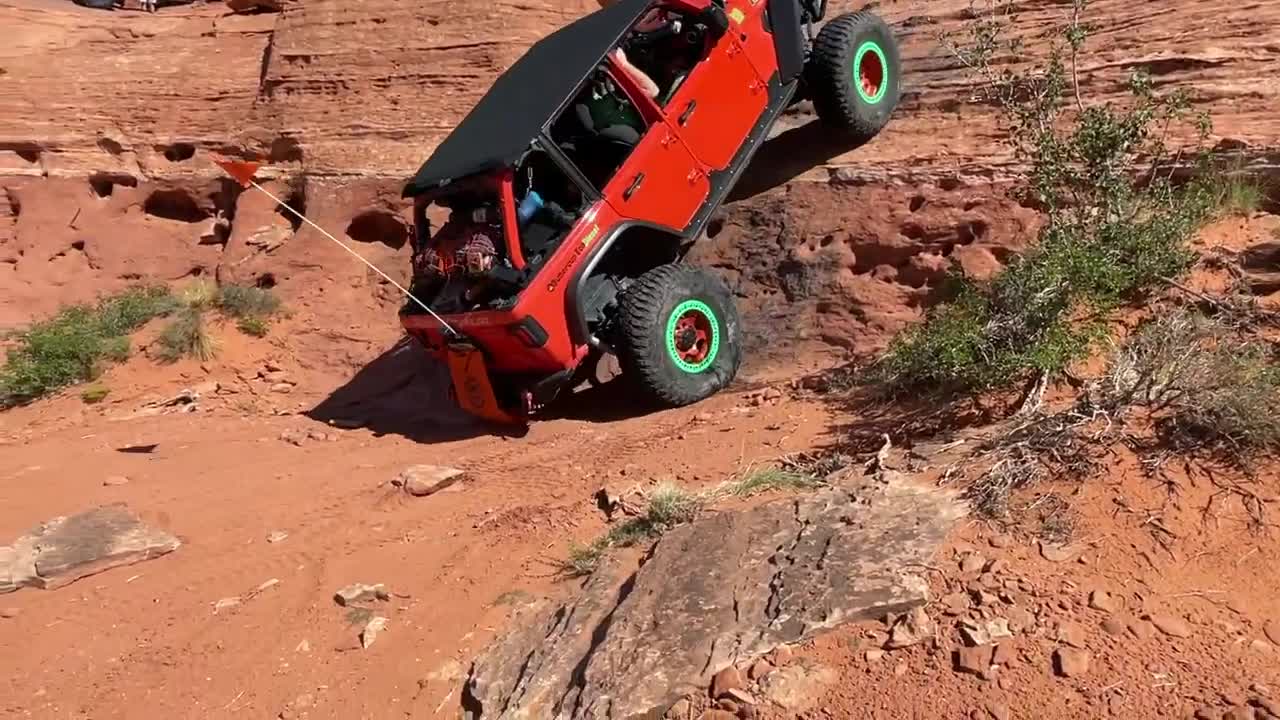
(680, 335)
(854, 73)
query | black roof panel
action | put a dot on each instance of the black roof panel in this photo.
(526, 97)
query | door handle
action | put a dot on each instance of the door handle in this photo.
(631, 189)
(688, 110)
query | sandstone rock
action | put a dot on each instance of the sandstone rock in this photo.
(116, 480)
(282, 388)
(955, 603)
(739, 697)
(1115, 626)
(975, 660)
(726, 586)
(717, 714)
(1021, 620)
(9, 613)
(759, 669)
(1071, 662)
(226, 603)
(423, 480)
(874, 656)
(681, 710)
(1057, 553)
(1105, 601)
(998, 710)
(972, 563)
(65, 549)
(911, 629)
(780, 656)
(1207, 712)
(293, 437)
(1142, 629)
(1072, 634)
(360, 592)
(1240, 713)
(1171, 625)
(372, 628)
(1270, 706)
(1004, 654)
(1000, 541)
(797, 687)
(724, 681)
(277, 536)
(244, 6)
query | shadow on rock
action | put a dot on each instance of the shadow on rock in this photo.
(404, 391)
(789, 155)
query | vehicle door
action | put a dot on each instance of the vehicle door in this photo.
(660, 182)
(719, 101)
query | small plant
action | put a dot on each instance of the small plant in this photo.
(1117, 223)
(250, 306)
(1206, 385)
(187, 336)
(239, 301)
(767, 479)
(94, 395)
(1241, 195)
(255, 326)
(75, 344)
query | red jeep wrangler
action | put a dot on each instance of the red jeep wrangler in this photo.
(566, 199)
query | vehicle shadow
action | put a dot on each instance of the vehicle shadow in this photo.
(787, 156)
(405, 392)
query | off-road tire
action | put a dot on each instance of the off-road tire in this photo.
(658, 316)
(853, 74)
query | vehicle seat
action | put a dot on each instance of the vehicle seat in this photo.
(671, 91)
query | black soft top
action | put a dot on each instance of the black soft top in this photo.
(525, 98)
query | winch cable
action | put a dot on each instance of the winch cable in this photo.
(448, 328)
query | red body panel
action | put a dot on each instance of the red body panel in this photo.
(717, 105)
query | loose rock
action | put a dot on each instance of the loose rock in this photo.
(875, 655)
(371, 629)
(797, 687)
(116, 480)
(360, 592)
(759, 669)
(724, 681)
(1171, 625)
(739, 696)
(1056, 553)
(975, 660)
(1004, 654)
(1070, 662)
(781, 656)
(1105, 601)
(998, 711)
(1206, 712)
(972, 563)
(294, 437)
(277, 536)
(911, 629)
(1142, 629)
(1115, 626)
(1240, 713)
(955, 603)
(1072, 634)
(10, 613)
(423, 480)
(717, 714)
(1021, 620)
(1000, 541)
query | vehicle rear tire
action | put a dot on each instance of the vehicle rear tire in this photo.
(854, 74)
(680, 335)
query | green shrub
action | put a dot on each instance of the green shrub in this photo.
(94, 395)
(1117, 222)
(75, 344)
(239, 301)
(255, 326)
(186, 336)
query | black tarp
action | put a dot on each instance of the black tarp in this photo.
(526, 97)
